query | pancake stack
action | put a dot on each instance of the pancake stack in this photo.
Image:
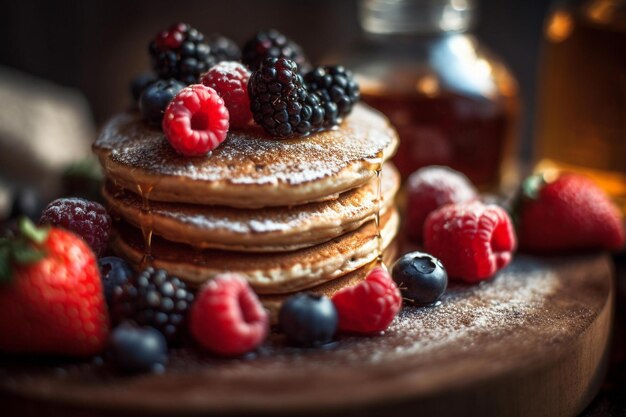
(312, 213)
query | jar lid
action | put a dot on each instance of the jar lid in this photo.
(416, 16)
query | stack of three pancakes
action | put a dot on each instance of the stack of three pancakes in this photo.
(310, 213)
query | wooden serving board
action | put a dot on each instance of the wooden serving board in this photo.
(531, 342)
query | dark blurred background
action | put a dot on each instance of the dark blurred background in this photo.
(98, 46)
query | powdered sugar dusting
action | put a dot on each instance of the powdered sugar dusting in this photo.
(527, 318)
(499, 308)
(249, 156)
(349, 207)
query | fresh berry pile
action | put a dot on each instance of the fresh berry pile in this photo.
(285, 105)
(269, 81)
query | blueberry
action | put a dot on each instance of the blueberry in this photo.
(114, 272)
(140, 83)
(422, 279)
(308, 320)
(138, 349)
(155, 99)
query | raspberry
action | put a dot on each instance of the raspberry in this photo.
(181, 52)
(370, 306)
(223, 48)
(472, 240)
(279, 101)
(430, 188)
(227, 317)
(336, 88)
(87, 219)
(154, 298)
(196, 120)
(272, 44)
(230, 80)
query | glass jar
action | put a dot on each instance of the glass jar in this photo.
(451, 100)
(581, 120)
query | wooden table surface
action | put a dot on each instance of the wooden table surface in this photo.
(611, 401)
(530, 342)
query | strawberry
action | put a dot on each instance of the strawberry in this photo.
(51, 299)
(566, 214)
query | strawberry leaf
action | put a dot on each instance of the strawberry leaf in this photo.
(22, 249)
(532, 185)
(23, 252)
(33, 233)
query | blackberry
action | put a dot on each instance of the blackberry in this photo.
(153, 298)
(333, 84)
(272, 44)
(182, 53)
(223, 48)
(279, 101)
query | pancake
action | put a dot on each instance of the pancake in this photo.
(269, 273)
(272, 302)
(271, 229)
(249, 169)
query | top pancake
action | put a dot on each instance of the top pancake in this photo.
(250, 169)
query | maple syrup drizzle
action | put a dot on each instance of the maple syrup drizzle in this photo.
(379, 200)
(145, 223)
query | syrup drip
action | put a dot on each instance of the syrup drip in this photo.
(145, 220)
(379, 202)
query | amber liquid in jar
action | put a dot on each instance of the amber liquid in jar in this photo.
(582, 108)
(470, 134)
